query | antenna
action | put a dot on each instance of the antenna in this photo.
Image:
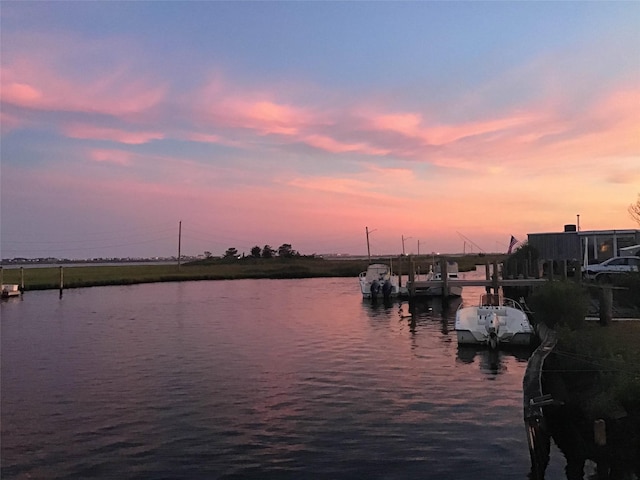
(480, 249)
(179, 241)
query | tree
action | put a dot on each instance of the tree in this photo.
(231, 253)
(267, 252)
(255, 252)
(286, 251)
(634, 210)
(207, 254)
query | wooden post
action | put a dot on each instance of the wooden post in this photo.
(444, 270)
(61, 280)
(550, 269)
(606, 305)
(412, 273)
(496, 284)
(600, 433)
(21, 279)
(563, 273)
(487, 274)
(1, 277)
(400, 272)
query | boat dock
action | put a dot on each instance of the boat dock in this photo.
(492, 281)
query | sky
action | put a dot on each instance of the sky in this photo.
(438, 126)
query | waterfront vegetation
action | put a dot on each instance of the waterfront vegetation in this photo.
(600, 364)
(611, 355)
(89, 275)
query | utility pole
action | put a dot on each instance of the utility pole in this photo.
(179, 241)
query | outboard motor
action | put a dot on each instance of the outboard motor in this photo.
(375, 288)
(493, 327)
(386, 289)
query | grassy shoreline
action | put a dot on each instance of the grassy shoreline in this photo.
(87, 275)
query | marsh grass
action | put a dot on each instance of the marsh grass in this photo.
(213, 269)
(88, 276)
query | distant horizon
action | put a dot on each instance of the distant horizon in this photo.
(473, 249)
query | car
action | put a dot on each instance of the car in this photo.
(602, 272)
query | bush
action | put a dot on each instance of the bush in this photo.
(631, 295)
(560, 303)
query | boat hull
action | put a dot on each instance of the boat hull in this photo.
(466, 337)
(493, 325)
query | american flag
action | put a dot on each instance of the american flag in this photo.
(512, 243)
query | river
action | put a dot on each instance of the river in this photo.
(254, 379)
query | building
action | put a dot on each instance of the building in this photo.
(572, 244)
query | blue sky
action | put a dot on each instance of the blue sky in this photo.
(303, 122)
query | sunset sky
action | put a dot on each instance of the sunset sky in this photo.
(260, 123)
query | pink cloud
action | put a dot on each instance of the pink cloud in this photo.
(407, 124)
(101, 133)
(34, 84)
(263, 116)
(21, 94)
(329, 144)
(117, 157)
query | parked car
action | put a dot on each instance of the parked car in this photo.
(602, 272)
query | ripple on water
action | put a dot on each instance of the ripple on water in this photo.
(250, 379)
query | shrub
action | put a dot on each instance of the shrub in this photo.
(631, 294)
(560, 303)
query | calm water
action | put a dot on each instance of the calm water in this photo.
(252, 379)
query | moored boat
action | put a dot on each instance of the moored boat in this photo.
(495, 322)
(452, 274)
(379, 282)
(9, 291)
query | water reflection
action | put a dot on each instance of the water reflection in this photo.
(490, 361)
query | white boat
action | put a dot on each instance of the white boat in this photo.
(379, 282)
(495, 322)
(452, 274)
(9, 291)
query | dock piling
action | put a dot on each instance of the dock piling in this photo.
(496, 284)
(487, 275)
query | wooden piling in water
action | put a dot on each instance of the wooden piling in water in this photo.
(487, 276)
(495, 278)
(61, 280)
(444, 270)
(21, 279)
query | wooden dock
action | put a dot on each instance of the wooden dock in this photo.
(492, 281)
